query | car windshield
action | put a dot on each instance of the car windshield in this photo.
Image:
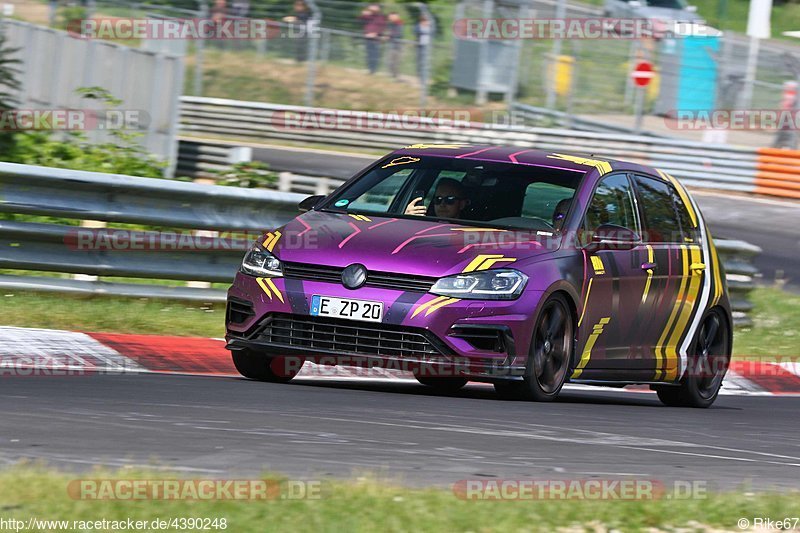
(464, 191)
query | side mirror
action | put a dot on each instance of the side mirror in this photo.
(310, 203)
(613, 237)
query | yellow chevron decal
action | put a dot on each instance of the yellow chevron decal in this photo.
(485, 261)
(275, 290)
(603, 167)
(264, 287)
(405, 160)
(420, 308)
(598, 266)
(271, 240)
(361, 218)
(650, 259)
(597, 330)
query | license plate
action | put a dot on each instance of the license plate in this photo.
(346, 308)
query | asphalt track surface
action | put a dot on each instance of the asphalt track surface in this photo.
(224, 426)
(772, 224)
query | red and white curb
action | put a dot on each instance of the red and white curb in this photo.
(29, 352)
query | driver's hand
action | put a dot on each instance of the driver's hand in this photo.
(416, 208)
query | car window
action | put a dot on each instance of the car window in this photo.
(612, 203)
(542, 199)
(663, 211)
(688, 231)
(468, 191)
(379, 198)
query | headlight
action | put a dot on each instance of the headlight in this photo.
(499, 284)
(260, 262)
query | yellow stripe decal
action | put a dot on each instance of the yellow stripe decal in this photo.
(420, 308)
(650, 259)
(597, 265)
(687, 308)
(715, 266)
(586, 301)
(590, 342)
(661, 348)
(272, 286)
(433, 308)
(426, 146)
(603, 167)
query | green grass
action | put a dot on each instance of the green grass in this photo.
(776, 326)
(110, 314)
(366, 505)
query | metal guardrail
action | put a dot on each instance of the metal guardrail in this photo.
(724, 167)
(133, 200)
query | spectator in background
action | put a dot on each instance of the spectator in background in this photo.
(394, 33)
(299, 18)
(423, 32)
(218, 11)
(240, 8)
(374, 26)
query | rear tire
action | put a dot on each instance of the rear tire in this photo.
(259, 367)
(708, 362)
(550, 355)
(442, 384)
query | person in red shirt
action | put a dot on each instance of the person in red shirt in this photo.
(374, 26)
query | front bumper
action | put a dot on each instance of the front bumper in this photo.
(487, 339)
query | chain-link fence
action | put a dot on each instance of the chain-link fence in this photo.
(331, 53)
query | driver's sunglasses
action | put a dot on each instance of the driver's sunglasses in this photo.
(446, 200)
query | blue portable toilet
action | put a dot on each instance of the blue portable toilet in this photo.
(689, 73)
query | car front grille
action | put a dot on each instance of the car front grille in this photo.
(381, 280)
(338, 336)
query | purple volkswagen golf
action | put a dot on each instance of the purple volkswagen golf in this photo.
(516, 267)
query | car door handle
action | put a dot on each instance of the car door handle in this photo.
(649, 266)
(697, 267)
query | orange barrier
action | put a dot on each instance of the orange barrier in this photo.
(778, 172)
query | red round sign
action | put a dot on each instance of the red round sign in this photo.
(642, 73)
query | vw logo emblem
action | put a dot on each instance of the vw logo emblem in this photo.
(354, 276)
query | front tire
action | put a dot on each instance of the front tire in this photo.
(550, 355)
(708, 362)
(259, 367)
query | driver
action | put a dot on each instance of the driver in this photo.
(449, 200)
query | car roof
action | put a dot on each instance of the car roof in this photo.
(521, 156)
